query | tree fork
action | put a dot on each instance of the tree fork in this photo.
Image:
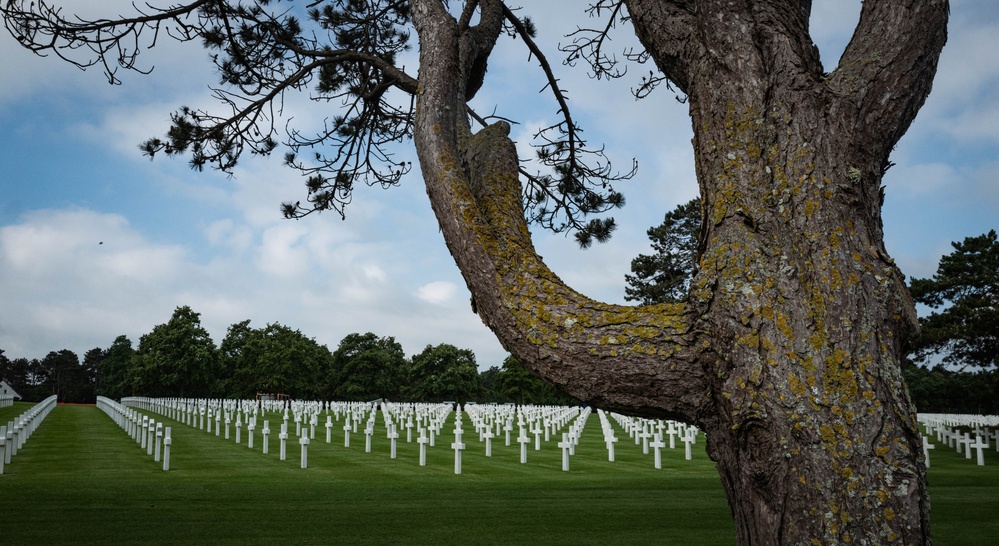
(788, 350)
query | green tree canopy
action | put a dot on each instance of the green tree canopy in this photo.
(367, 367)
(515, 383)
(940, 390)
(61, 374)
(963, 329)
(178, 358)
(443, 372)
(113, 372)
(274, 359)
(663, 277)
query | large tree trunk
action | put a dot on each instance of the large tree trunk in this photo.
(788, 349)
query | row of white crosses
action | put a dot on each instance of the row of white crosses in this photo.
(15, 433)
(423, 423)
(151, 435)
(948, 431)
(229, 413)
(642, 430)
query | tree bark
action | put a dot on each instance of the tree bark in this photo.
(788, 350)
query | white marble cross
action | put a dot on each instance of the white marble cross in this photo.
(304, 442)
(565, 444)
(656, 445)
(159, 442)
(167, 442)
(523, 440)
(393, 437)
(610, 439)
(457, 446)
(927, 446)
(3, 447)
(283, 436)
(488, 435)
(267, 433)
(688, 439)
(981, 444)
(151, 433)
(645, 435)
(423, 440)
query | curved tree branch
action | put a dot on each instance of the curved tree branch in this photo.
(565, 337)
(886, 71)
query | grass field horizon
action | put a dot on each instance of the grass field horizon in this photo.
(80, 479)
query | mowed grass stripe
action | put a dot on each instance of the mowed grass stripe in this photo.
(89, 483)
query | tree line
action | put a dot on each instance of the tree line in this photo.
(179, 358)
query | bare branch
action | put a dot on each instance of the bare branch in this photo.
(568, 195)
(113, 43)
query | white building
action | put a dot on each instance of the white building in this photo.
(7, 392)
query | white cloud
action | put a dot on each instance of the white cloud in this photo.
(282, 253)
(437, 293)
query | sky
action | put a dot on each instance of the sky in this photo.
(97, 241)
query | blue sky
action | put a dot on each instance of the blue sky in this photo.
(97, 241)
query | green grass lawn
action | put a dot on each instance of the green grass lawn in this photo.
(82, 480)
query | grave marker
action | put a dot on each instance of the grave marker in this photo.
(304, 442)
(688, 439)
(927, 446)
(10, 442)
(457, 446)
(159, 442)
(283, 436)
(657, 444)
(523, 440)
(565, 444)
(393, 436)
(151, 434)
(980, 445)
(167, 442)
(423, 440)
(488, 434)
